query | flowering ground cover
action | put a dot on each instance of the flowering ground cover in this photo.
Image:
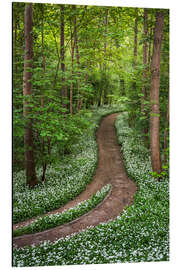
(65, 179)
(53, 220)
(139, 234)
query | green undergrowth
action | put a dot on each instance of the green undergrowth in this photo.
(53, 220)
(139, 234)
(64, 180)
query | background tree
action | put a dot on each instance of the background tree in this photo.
(144, 87)
(27, 92)
(155, 83)
(62, 53)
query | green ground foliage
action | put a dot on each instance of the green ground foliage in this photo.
(53, 220)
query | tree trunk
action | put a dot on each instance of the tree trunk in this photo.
(42, 52)
(105, 49)
(79, 101)
(132, 115)
(122, 87)
(72, 66)
(150, 35)
(62, 55)
(144, 90)
(27, 91)
(135, 36)
(105, 35)
(154, 94)
(15, 45)
(76, 38)
(144, 61)
(44, 165)
(100, 97)
(166, 134)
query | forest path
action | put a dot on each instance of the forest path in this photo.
(110, 170)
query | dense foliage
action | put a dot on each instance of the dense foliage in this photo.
(101, 67)
(141, 233)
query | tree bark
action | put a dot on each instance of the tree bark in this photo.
(154, 94)
(166, 134)
(132, 115)
(62, 55)
(105, 34)
(79, 101)
(27, 91)
(150, 35)
(42, 52)
(105, 49)
(144, 90)
(72, 72)
(44, 165)
(144, 61)
(15, 44)
(135, 36)
(122, 87)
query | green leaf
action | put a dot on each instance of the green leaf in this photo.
(155, 114)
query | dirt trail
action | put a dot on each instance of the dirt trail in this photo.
(110, 170)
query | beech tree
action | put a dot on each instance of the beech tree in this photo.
(135, 36)
(27, 92)
(44, 165)
(72, 66)
(154, 94)
(62, 53)
(144, 87)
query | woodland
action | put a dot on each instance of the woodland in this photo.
(73, 67)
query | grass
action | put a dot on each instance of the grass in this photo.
(139, 234)
(53, 220)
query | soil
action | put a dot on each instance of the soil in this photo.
(110, 170)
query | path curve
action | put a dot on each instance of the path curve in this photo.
(110, 170)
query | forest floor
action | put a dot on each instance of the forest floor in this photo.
(110, 170)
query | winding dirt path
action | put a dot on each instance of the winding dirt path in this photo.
(110, 170)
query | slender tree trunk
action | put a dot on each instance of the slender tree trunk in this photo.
(27, 91)
(166, 135)
(71, 99)
(42, 52)
(72, 66)
(154, 94)
(122, 87)
(135, 36)
(79, 101)
(62, 55)
(100, 97)
(15, 45)
(76, 38)
(56, 74)
(149, 52)
(105, 35)
(144, 90)
(144, 61)
(88, 100)
(132, 117)
(105, 48)
(44, 166)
